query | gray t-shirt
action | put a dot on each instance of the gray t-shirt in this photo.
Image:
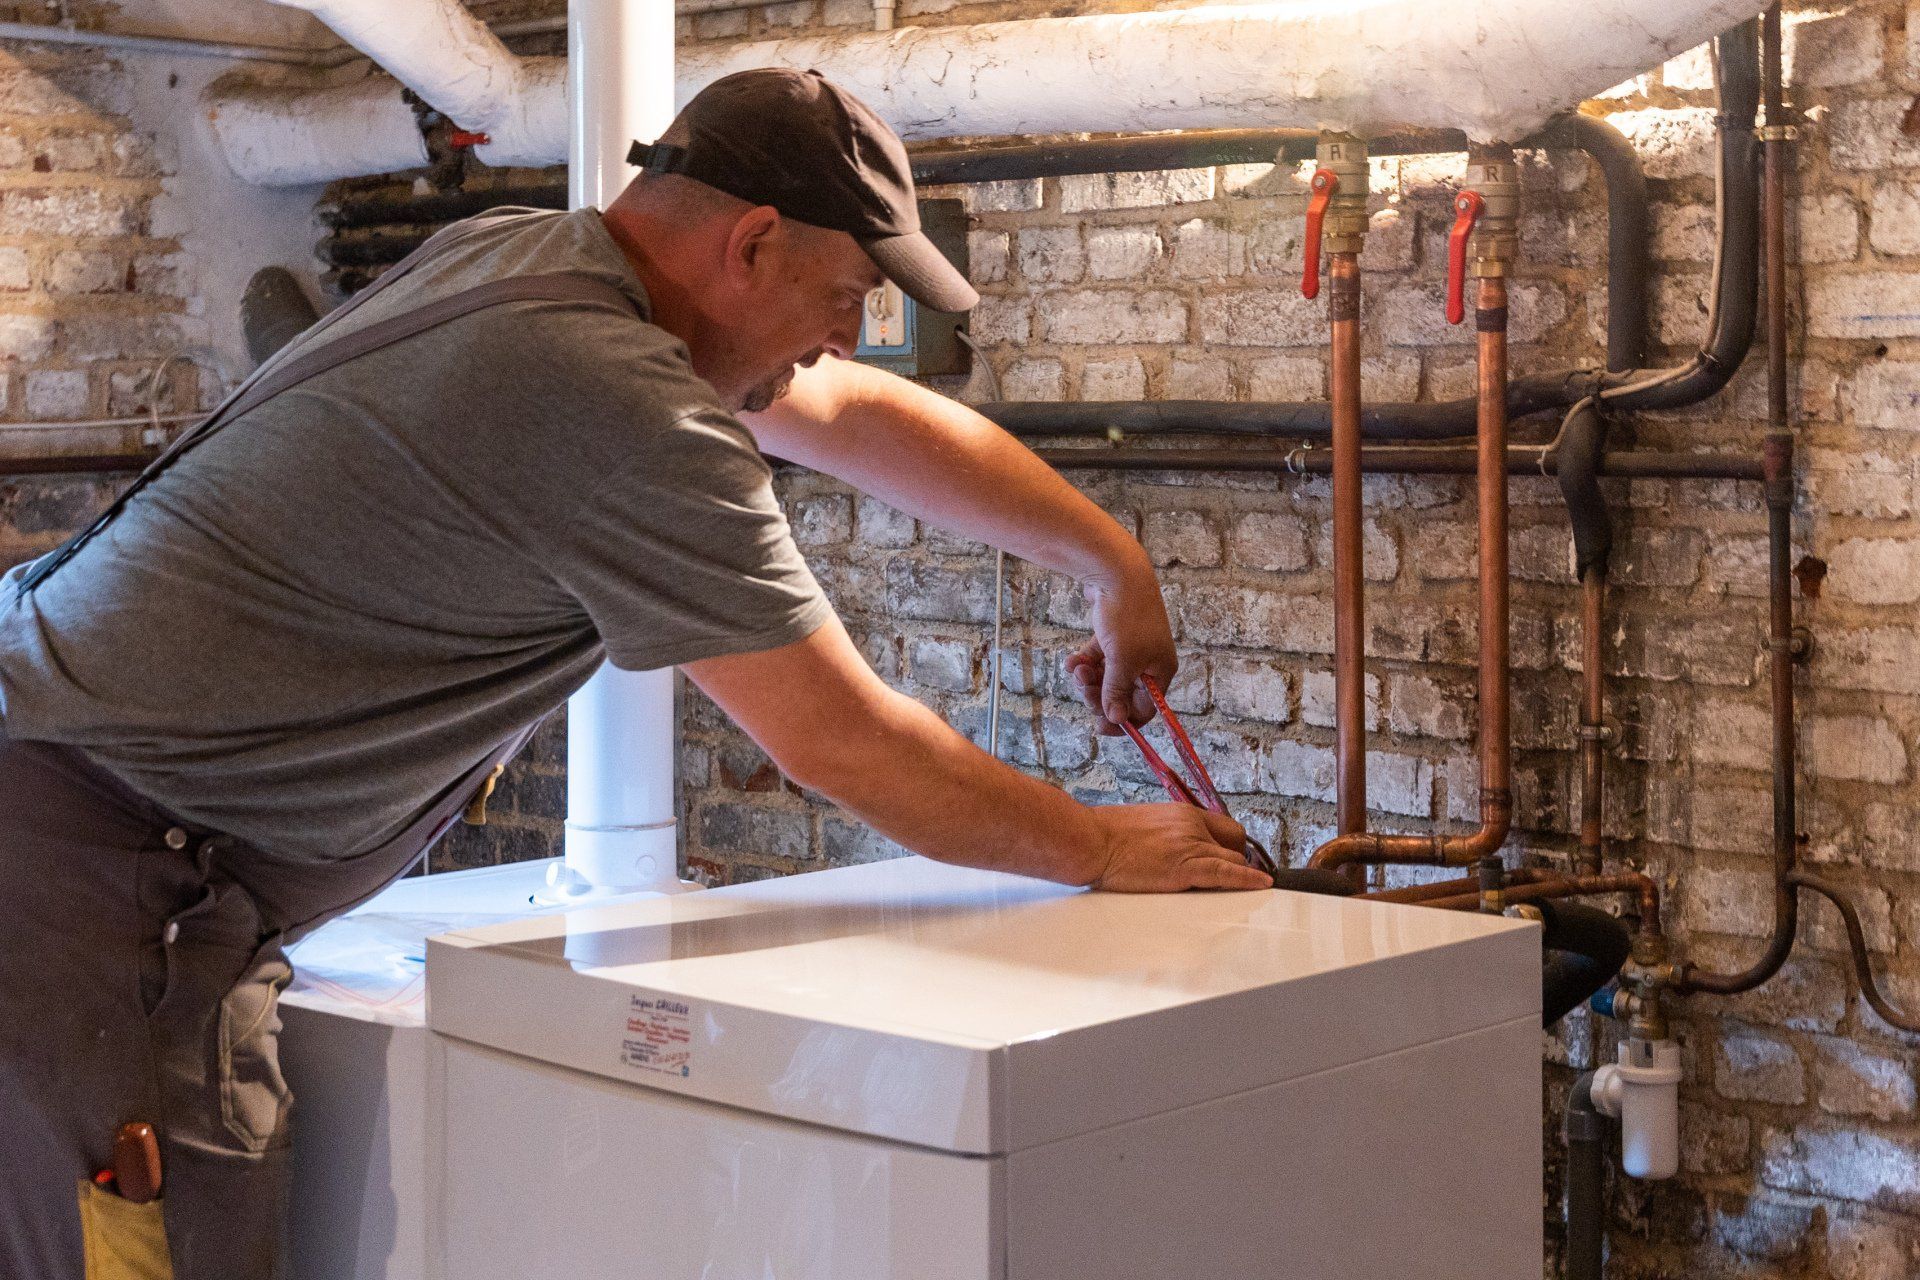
(315, 622)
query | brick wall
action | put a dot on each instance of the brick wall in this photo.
(1801, 1144)
(90, 299)
(1802, 1151)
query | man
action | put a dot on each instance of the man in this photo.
(258, 691)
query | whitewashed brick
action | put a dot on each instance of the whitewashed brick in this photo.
(1846, 1164)
(1051, 255)
(1379, 549)
(1829, 50)
(1034, 380)
(1429, 708)
(1112, 316)
(1690, 72)
(1300, 769)
(1827, 229)
(1720, 900)
(1872, 304)
(823, 520)
(1317, 699)
(1857, 749)
(1123, 379)
(987, 256)
(1732, 734)
(14, 270)
(1895, 219)
(1289, 379)
(1865, 133)
(25, 337)
(1875, 570)
(1751, 1066)
(55, 394)
(1683, 233)
(1394, 376)
(1001, 320)
(1203, 378)
(1015, 195)
(1253, 689)
(1087, 192)
(1206, 250)
(1272, 540)
(1260, 318)
(1854, 1080)
(1674, 142)
(1122, 253)
(1881, 659)
(942, 664)
(881, 525)
(1181, 538)
(83, 271)
(1861, 1250)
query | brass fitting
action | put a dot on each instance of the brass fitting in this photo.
(1496, 237)
(1345, 156)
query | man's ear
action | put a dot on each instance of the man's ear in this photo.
(748, 244)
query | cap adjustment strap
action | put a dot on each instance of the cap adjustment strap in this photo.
(658, 157)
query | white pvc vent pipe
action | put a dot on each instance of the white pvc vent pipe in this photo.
(621, 730)
(1496, 68)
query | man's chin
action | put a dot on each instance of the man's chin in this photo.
(766, 393)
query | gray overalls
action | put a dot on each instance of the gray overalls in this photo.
(141, 957)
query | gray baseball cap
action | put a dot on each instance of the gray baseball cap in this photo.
(796, 142)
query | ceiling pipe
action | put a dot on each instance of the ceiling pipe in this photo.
(1498, 71)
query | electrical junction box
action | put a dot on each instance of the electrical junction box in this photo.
(901, 336)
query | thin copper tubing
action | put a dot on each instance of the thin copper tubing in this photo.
(1496, 772)
(1349, 567)
(1593, 593)
(1641, 886)
(1415, 893)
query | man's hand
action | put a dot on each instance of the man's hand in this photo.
(1163, 848)
(1131, 638)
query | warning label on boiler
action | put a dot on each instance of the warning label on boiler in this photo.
(658, 1036)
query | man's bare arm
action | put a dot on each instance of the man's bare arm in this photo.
(834, 727)
(943, 463)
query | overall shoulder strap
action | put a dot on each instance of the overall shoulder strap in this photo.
(277, 376)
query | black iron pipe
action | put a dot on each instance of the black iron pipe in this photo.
(1311, 420)
(1736, 295)
(1583, 949)
(350, 212)
(1586, 1134)
(75, 464)
(1410, 460)
(1629, 236)
(1581, 454)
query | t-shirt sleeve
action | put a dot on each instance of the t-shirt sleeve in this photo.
(682, 552)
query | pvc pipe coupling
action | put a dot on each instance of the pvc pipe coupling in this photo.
(1642, 1092)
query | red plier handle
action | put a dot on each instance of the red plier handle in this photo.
(1208, 796)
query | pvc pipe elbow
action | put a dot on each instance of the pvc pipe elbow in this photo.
(1642, 1091)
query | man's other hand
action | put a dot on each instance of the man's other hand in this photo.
(1131, 638)
(1164, 848)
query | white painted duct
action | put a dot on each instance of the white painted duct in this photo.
(443, 53)
(1496, 68)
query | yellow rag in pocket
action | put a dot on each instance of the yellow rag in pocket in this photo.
(123, 1240)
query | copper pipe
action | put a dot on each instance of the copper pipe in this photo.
(1349, 570)
(1857, 945)
(1415, 893)
(1496, 797)
(1645, 891)
(1593, 743)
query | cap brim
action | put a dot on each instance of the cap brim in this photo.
(922, 272)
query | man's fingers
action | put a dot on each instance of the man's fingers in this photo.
(1218, 873)
(1225, 831)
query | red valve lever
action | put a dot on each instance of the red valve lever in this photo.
(1467, 207)
(1325, 183)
